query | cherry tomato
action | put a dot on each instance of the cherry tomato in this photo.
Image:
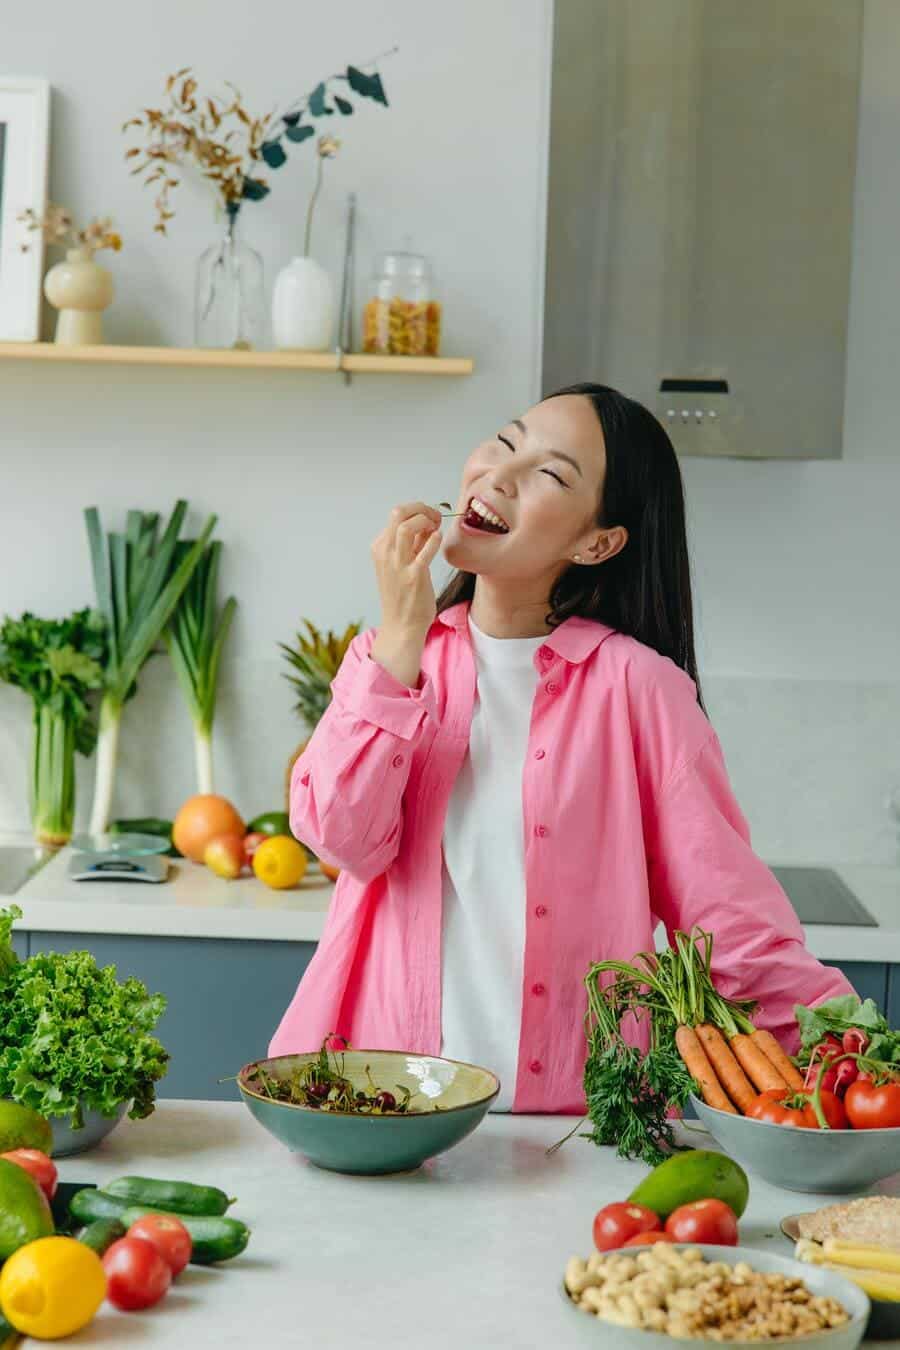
(704, 1221)
(873, 1106)
(783, 1106)
(615, 1224)
(42, 1168)
(136, 1274)
(648, 1239)
(168, 1235)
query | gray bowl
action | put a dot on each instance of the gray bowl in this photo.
(67, 1142)
(821, 1162)
(594, 1332)
(374, 1145)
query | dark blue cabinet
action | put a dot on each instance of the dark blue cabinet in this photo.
(869, 978)
(225, 998)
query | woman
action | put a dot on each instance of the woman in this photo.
(519, 778)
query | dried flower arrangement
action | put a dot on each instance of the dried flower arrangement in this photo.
(227, 144)
(57, 226)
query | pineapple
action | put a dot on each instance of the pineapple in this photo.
(316, 660)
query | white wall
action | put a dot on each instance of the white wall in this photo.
(795, 563)
(300, 469)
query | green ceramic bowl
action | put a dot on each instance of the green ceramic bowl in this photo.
(374, 1145)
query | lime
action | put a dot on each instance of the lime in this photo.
(270, 822)
(24, 1210)
(20, 1127)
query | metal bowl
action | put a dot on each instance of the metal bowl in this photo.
(372, 1145)
(67, 1142)
(594, 1332)
(821, 1162)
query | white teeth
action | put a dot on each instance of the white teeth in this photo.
(486, 514)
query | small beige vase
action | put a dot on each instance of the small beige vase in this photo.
(80, 289)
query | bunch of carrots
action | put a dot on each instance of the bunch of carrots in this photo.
(729, 1058)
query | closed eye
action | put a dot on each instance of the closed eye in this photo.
(509, 445)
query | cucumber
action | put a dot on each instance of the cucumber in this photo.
(102, 1233)
(178, 1197)
(91, 1204)
(214, 1237)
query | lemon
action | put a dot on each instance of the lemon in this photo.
(280, 862)
(52, 1287)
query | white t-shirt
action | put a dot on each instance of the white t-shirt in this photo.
(483, 925)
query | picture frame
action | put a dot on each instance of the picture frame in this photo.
(24, 155)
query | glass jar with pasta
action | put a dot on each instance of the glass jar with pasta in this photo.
(402, 316)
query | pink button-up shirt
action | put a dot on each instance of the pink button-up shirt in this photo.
(629, 820)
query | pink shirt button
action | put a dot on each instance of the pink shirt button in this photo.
(305, 780)
(397, 761)
(540, 831)
(539, 754)
(537, 990)
(535, 1066)
(540, 911)
(552, 687)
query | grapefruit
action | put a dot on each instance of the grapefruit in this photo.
(202, 819)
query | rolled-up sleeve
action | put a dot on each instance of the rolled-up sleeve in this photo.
(347, 786)
(702, 870)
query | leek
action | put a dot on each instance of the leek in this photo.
(139, 581)
(195, 637)
(59, 663)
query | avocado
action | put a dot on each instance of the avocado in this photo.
(24, 1209)
(698, 1174)
(21, 1127)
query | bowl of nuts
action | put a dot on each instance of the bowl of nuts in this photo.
(648, 1297)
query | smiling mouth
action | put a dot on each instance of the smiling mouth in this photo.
(480, 517)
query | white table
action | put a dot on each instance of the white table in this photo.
(467, 1252)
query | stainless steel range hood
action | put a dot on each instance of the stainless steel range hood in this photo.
(700, 207)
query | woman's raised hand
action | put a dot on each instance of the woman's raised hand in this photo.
(402, 554)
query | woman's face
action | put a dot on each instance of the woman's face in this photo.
(542, 476)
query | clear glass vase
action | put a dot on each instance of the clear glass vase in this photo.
(229, 299)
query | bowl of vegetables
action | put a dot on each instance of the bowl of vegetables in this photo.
(829, 1122)
(367, 1112)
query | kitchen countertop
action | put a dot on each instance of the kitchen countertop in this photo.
(194, 903)
(467, 1251)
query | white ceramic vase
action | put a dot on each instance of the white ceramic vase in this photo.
(303, 306)
(81, 290)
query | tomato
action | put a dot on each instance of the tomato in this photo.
(873, 1106)
(168, 1235)
(615, 1224)
(252, 842)
(136, 1274)
(704, 1221)
(647, 1239)
(42, 1168)
(782, 1106)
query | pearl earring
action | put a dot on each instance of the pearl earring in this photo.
(577, 557)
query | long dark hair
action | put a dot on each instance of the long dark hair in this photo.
(645, 589)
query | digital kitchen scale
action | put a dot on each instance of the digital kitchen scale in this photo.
(119, 857)
(152, 867)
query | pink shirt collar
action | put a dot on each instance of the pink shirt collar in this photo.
(573, 640)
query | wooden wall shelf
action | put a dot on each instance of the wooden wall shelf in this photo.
(350, 363)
